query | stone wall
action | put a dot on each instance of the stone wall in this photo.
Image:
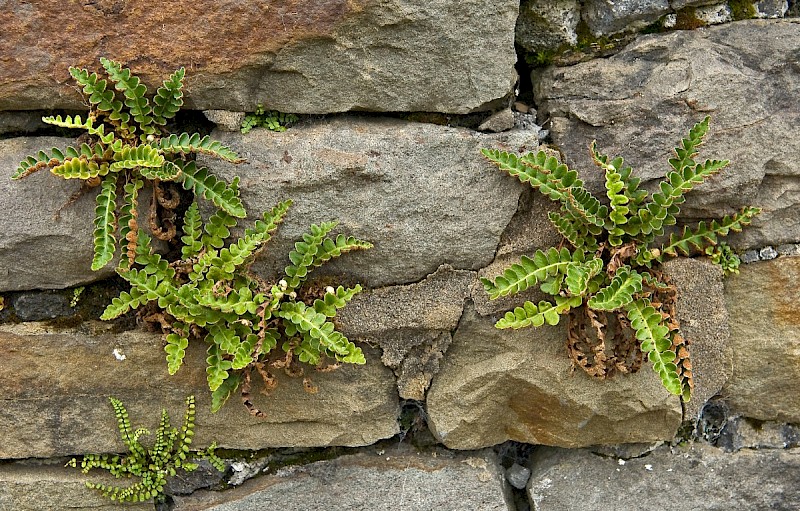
(397, 99)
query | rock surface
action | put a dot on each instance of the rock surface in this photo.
(765, 340)
(547, 24)
(334, 56)
(698, 477)
(640, 102)
(495, 385)
(35, 486)
(607, 16)
(421, 193)
(56, 387)
(411, 324)
(38, 250)
(407, 481)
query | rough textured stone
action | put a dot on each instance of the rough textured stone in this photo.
(704, 321)
(499, 121)
(56, 387)
(20, 122)
(403, 186)
(765, 340)
(38, 250)
(41, 306)
(225, 119)
(34, 487)
(640, 102)
(743, 433)
(697, 476)
(407, 481)
(547, 24)
(606, 17)
(411, 324)
(401, 55)
(496, 385)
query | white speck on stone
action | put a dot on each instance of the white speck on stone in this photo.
(118, 354)
(767, 253)
(621, 461)
(669, 470)
(648, 468)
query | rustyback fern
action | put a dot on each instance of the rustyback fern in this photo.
(271, 119)
(151, 465)
(610, 284)
(247, 323)
(127, 141)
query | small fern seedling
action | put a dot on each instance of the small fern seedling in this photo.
(248, 324)
(621, 307)
(272, 120)
(125, 145)
(170, 452)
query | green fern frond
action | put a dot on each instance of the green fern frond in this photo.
(317, 326)
(305, 253)
(333, 301)
(619, 292)
(176, 350)
(192, 225)
(239, 301)
(217, 229)
(134, 92)
(185, 143)
(534, 315)
(579, 276)
(528, 272)
(704, 236)
(199, 181)
(585, 206)
(131, 157)
(656, 344)
(43, 160)
(576, 232)
(169, 97)
(541, 171)
(688, 150)
(125, 302)
(80, 168)
(105, 223)
(97, 92)
(332, 248)
(218, 367)
(272, 120)
(224, 391)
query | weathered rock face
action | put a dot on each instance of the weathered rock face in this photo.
(698, 477)
(411, 324)
(45, 243)
(56, 387)
(606, 16)
(765, 340)
(440, 56)
(388, 481)
(403, 186)
(544, 25)
(640, 102)
(496, 385)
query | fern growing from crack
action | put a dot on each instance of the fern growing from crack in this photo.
(621, 307)
(248, 324)
(271, 119)
(126, 144)
(170, 451)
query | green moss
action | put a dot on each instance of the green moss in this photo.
(686, 19)
(742, 9)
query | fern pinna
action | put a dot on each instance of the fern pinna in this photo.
(620, 306)
(126, 145)
(248, 324)
(170, 452)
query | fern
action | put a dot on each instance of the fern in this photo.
(152, 466)
(105, 223)
(272, 120)
(210, 296)
(127, 139)
(620, 275)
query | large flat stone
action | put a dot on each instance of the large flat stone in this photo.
(762, 302)
(55, 387)
(495, 385)
(394, 480)
(640, 102)
(34, 487)
(319, 57)
(692, 477)
(38, 248)
(421, 193)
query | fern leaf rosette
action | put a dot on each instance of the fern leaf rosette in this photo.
(621, 307)
(127, 142)
(247, 323)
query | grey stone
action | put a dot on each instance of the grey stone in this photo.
(26, 486)
(626, 451)
(394, 480)
(528, 122)
(518, 476)
(41, 306)
(20, 122)
(767, 253)
(704, 322)
(449, 56)
(498, 121)
(225, 120)
(743, 433)
(497, 385)
(750, 256)
(714, 14)
(762, 303)
(606, 17)
(698, 477)
(55, 409)
(204, 476)
(791, 249)
(547, 25)
(403, 186)
(640, 102)
(771, 8)
(411, 324)
(46, 244)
